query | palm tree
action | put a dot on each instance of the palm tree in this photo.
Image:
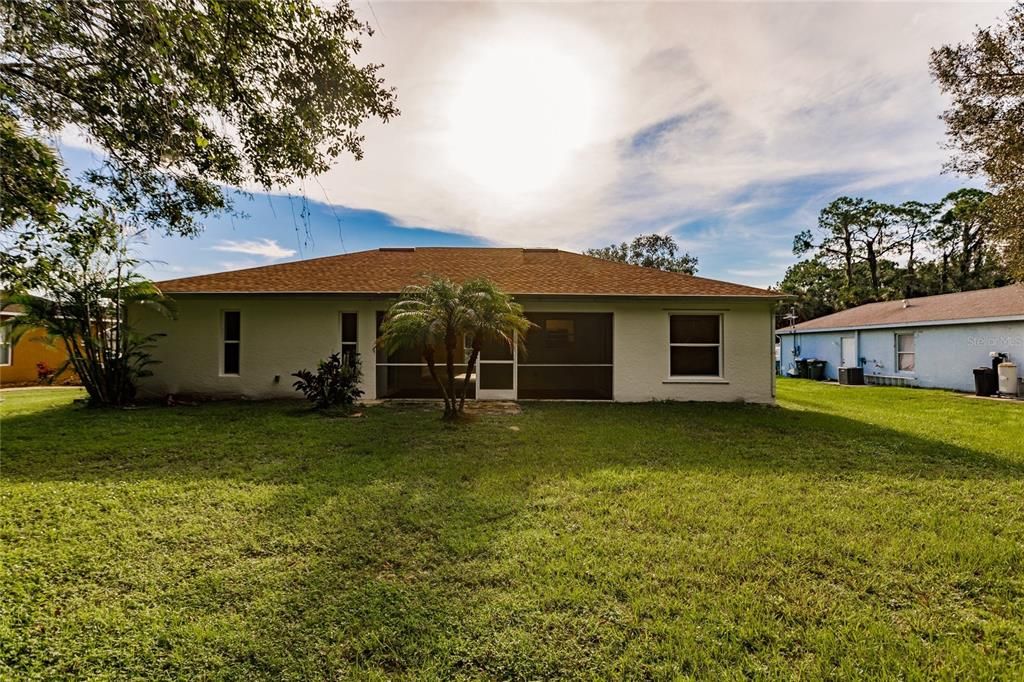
(77, 288)
(106, 353)
(492, 315)
(433, 317)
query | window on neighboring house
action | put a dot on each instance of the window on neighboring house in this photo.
(695, 345)
(232, 330)
(905, 352)
(5, 346)
(349, 335)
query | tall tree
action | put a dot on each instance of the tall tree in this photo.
(650, 251)
(875, 237)
(985, 122)
(914, 221)
(963, 235)
(834, 239)
(817, 287)
(182, 96)
(865, 251)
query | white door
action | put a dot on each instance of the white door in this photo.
(848, 352)
(496, 372)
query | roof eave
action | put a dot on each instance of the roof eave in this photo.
(768, 296)
(897, 325)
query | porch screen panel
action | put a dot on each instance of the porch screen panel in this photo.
(568, 356)
(404, 374)
(415, 382)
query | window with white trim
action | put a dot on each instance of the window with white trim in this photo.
(231, 332)
(695, 345)
(5, 346)
(905, 352)
(349, 337)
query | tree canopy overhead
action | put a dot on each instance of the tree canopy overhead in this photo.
(985, 122)
(183, 96)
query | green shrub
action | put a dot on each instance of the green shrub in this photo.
(335, 383)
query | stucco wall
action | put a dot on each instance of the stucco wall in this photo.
(818, 346)
(283, 334)
(31, 349)
(945, 354)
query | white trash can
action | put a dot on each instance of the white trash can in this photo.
(1008, 378)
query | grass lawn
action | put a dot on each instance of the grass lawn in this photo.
(851, 532)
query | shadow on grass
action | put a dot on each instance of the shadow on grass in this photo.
(382, 543)
(286, 442)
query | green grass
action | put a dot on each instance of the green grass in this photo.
(851, 532)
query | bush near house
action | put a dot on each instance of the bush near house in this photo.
(856, 533)
(334, 384)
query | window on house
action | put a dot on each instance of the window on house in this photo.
(232, 330)
(905, 352)
(349, 334)
(5, 346)
(559, 333)
(695, 345)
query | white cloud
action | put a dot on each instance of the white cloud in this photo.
(267, 248)
(517, 119)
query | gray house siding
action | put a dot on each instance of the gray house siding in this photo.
(821, 346)
(945, 354)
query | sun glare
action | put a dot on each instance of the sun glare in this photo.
(524, 105)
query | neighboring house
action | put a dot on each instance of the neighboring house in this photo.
(933, 341)
(605, 330)
(20, 362)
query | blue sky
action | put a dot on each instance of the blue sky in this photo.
(574, 125)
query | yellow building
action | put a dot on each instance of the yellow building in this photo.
(22, 363)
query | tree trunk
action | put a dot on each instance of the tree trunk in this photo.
(848, 257)
(911, 278)
(449, 348)
(428, 356)
(873, 267)
(965, 257)
(469, 373)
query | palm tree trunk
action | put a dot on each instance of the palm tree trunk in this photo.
(428, 355)
(469, 373)
(449, 349)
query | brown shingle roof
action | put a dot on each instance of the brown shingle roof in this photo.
(967, 305)
(517, 271)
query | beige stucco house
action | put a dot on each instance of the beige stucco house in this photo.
(604, 330)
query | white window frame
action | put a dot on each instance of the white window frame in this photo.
(341, 332)
(913, 353)
(224, 342)
(5, 341)
(721, 346)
